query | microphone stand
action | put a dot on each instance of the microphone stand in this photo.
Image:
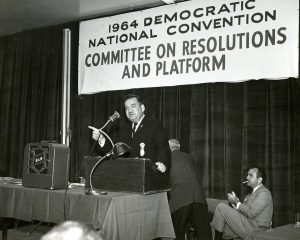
(109, 120)
(112, 118)
(92, 191)
(104, 133)
(118, 149)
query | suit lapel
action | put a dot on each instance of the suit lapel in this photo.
(253, 194)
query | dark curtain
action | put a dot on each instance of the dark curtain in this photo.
(227, 127)
(30, 87)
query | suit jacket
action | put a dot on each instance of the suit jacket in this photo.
(186, 186)
(258, 208)
(150, 132)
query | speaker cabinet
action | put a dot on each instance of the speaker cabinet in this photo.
(46, 165)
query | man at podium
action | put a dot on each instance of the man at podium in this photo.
(144, 135)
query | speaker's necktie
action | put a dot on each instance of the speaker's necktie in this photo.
(133, 129)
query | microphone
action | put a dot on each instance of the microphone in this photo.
(114, 117)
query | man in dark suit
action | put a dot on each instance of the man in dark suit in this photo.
(144, 135)
(187, 199)
(255, 213)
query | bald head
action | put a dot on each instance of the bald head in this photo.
(174, 144)
(72, 230)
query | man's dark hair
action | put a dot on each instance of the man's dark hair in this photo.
(260, 173)
(128, 96)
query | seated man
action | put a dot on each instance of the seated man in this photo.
(255, 213)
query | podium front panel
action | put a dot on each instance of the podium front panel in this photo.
(137, 175)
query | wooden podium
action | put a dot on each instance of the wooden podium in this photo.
(137, 175)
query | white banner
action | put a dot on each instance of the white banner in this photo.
(188, 43)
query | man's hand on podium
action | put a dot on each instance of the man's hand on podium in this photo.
(161, 167)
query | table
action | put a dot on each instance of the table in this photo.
(286, 232)
(118, 215)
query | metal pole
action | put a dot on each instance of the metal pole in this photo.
(65, 116)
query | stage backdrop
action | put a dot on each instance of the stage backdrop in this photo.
(188, 43)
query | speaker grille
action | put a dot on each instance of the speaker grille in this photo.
(38, 160)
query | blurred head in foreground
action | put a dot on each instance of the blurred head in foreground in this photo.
(71, 230)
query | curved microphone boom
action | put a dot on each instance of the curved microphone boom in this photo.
(117, 150)
(112, 118)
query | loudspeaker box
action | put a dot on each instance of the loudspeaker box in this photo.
(46, 165)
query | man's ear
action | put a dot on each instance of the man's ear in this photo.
(143, 108)
(260, 179)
